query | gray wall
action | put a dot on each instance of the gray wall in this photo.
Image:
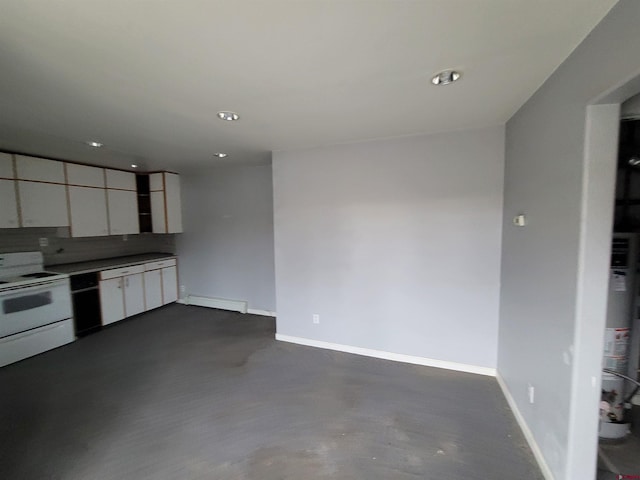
(546, 321)
(227, 248)
(394, 243)
(62, 249)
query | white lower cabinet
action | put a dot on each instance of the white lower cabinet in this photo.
(133, 294)
(169, 285)
(132, 290)
(153, 289)
(111, 300)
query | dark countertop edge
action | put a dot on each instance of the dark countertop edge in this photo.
(90, 266)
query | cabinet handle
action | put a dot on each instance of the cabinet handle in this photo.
(126, 282)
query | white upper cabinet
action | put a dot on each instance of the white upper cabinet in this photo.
(43, 204)
(158, 219)
(39, 169)
(42, 193)
(166, 206)
(92, 201)
(173, 203)
(122, 200)
(123, 212)
(9, 210)
(121, 180)
(156, 182)
(85, 176)
(88, 210)
(6, 165)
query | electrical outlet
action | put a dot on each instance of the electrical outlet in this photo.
(316, 318)
(531, 392)
(44, 242)
(183, 289)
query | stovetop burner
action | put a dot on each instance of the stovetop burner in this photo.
(38, 275)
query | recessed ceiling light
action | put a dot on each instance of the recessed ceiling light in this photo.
(228, 116)
(133, 165)
(219, 154)
(94, 144)
(445, 77)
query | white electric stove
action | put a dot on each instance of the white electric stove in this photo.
(35, 307)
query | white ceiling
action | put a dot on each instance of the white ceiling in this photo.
(147, 77)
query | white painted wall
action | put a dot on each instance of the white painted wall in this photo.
(394, 243)
(554, 276)
(227, 248)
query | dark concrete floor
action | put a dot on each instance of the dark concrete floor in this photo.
(621, 457)
(191, 393)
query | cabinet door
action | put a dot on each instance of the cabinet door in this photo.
(153, 289)
(158, 224)
(133, 294)
(169, 285)
(6, 165)
(156, 182)
(111, 300)
(9, 210)
(43, 204)
(85, 175)
(123, 212)
(173, 203)
(39, 169)
(88, 208)
(121, 180)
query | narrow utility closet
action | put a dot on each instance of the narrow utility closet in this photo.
(619, 430)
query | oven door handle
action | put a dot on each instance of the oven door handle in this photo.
(21, 289)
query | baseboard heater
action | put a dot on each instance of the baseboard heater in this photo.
(221, 303)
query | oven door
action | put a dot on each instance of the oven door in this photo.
(33, 306)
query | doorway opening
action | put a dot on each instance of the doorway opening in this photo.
(619, 415)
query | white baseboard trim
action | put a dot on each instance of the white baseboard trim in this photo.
(257, 311)
(221, 303)
(537, 453)
(396, 357)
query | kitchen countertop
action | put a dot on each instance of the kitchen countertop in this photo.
(106, 263)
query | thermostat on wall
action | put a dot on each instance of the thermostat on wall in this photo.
(519, 221)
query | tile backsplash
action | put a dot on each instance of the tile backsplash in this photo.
(62, 249)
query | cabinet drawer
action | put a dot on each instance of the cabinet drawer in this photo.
(171, 262)
(121, 272)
